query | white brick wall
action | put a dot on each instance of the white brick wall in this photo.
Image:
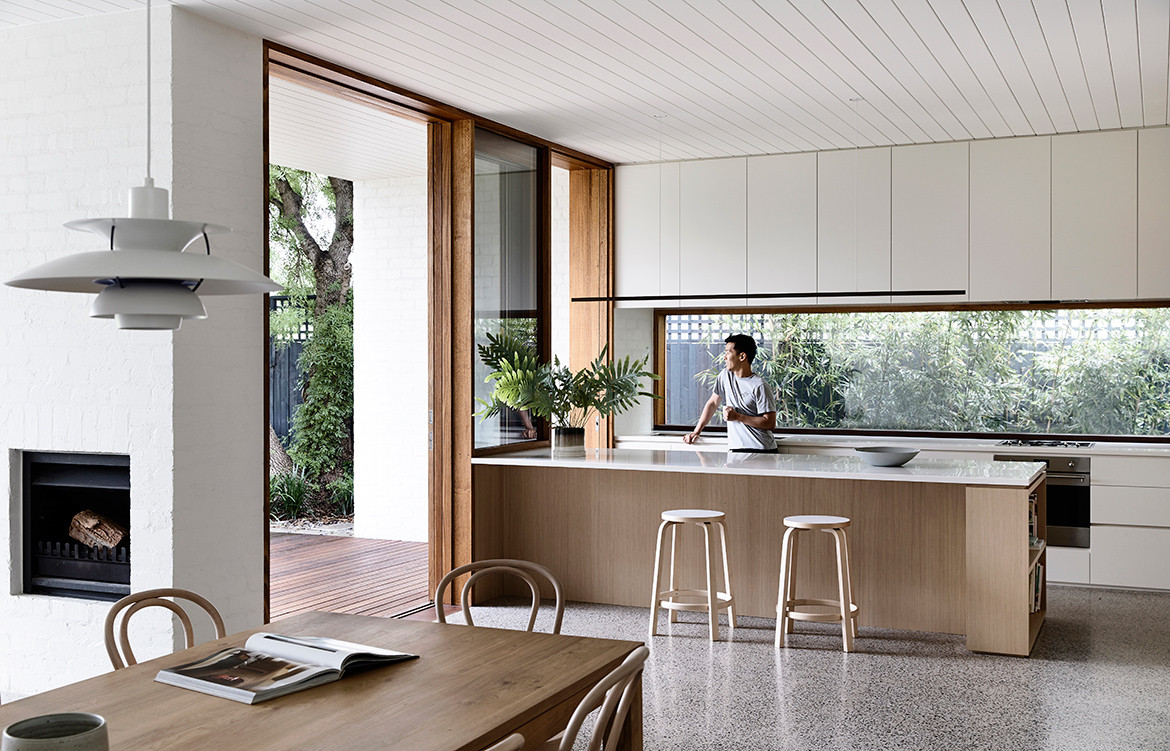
(390, 359)
(633, 335)
(185, 407)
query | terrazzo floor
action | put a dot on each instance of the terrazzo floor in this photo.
(1098, 678)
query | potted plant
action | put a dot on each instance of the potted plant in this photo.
(553, 391)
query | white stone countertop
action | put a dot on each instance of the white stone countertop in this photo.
(792, 443)
(957, 471)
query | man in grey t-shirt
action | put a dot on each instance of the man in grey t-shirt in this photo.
(749, 406)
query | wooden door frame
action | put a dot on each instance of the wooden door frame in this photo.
(450, 227)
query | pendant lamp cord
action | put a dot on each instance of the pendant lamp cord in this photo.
(148, 90)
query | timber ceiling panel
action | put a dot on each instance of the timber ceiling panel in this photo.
(735, 77)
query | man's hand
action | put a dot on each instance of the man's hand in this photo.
(730, 415)
(691, 437)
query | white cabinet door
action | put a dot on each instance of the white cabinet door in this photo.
(1138, 507)
(1154, 212)
(782, 227)
(713, 230)
(853, 223)
(1068, 565)
(1131, 557)
(1011, 217)
(646, 233)
(1094, 216)
(929, 217)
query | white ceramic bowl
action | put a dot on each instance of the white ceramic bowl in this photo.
(886, 456)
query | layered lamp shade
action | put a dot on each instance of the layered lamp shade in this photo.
(145, 280)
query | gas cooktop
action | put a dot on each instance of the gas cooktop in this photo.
(1033, 442)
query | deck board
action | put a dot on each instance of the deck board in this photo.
(345, 575)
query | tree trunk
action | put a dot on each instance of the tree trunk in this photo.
(278, 459)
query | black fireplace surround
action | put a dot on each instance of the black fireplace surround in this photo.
(55, 486)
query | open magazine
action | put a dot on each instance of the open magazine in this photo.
(271, 665)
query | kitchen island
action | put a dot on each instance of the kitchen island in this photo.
(936, 545)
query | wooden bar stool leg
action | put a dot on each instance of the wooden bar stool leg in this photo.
(712, 592)
(792, 550)
(843, 590)
(849, 582)
(657, 577)
(673, 549)
(783, 595)
(727, 573)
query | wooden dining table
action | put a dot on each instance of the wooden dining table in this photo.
(470, 687)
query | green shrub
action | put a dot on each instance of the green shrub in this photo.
(341, 491)
(287, 493)
(322, 439)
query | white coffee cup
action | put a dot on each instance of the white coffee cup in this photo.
(69, 731)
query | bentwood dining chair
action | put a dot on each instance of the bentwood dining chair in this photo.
(613, 694)
(514, 742)
(153, 598)
(522, 569)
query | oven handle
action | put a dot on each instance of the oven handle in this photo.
(1067, 478)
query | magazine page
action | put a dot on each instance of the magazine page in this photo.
(320, 650)
(246, 675)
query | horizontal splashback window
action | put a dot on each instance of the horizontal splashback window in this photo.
(1080, 371)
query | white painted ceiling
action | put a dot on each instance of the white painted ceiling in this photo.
(316, 132)
(735, 76)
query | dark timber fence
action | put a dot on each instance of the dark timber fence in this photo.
(284, 377)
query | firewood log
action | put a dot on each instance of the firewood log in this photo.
(96, 530)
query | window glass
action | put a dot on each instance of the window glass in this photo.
(1100, 372)
(506, 272)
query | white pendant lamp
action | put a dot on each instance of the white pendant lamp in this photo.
(145, 280)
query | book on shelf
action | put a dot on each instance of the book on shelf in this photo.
(272, 665)
(1036, 581)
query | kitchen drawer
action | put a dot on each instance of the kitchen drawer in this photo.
(1131, 557)
(1068, 565)
(1139, 507)
(1133, 471)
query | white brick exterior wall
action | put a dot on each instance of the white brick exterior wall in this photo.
(390, 358)
(633, 335)
(186, 407)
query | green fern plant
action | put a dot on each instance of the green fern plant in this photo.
(553, 391)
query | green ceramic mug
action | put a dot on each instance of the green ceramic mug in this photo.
(69, 731)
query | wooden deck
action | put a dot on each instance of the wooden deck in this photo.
(345, 575)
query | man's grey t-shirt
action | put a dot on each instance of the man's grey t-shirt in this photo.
(749, 396)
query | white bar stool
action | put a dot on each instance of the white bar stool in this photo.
(787, 602)
(712, 599)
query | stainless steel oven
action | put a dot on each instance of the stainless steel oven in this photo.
(1068, 497)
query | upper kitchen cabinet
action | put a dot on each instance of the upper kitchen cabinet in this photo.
(647, 234)
(1154, 213)
(1094, 216)
(853, 223)
(928, 246)
(1011, 219)
(782, 227)
(713, 230)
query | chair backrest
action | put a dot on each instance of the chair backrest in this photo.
(152, 598)
(613, 694)
(514, 742)
(522, 569)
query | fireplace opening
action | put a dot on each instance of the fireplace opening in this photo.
(76, 525)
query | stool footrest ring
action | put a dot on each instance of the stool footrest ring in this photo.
(723, 599)
(816, 617)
